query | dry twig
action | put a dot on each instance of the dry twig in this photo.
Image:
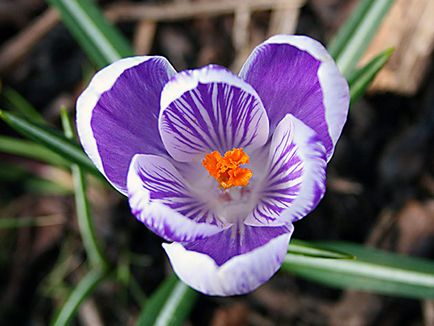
(180, 10)
(413, 42)
(16, 49)
(144, 36)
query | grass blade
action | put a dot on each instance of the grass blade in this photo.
(85, 222)
(337, 44)
(50, 138)
(22, 222)
(170, 304)
(84, 288)
(304, 248)
(24, 176)
(363, 77)
(102, 42)
(11, 172)
(20, 104)
(31, 150)
(355, 46)
(374, 270)
(45, 186)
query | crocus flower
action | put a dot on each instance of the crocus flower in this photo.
(219, 165)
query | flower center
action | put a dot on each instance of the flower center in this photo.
(226, 169)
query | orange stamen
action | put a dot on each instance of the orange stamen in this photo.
(226, 169)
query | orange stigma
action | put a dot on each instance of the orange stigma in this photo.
(226, 169)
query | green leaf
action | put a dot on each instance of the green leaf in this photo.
(374, 270)
(52, 139)
(102, 42)
(11, 172)
(353, 44)
(85, 221)
(99, 263)
(21, 222)
(26, 178)
(44, 186)
(304, 248)
(338, 43)
(84, 288)
(362, 78)
(30, 149)
(20, 104)
(170, 304)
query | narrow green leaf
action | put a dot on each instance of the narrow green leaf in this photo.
(337, 44)
(26, 178)
(361, 36)
(45, 186)
(21, 222)
(170, 304)
(85, 222)
(136, 291)
(20, 104)
(362, 78)
(100, 267)
(30, 149)
(52, 139)
(11, 172)
(374, 270)
(84, 289)
(304, 248)
(102, 42)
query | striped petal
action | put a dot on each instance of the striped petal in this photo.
(117, 114)
(231, 262)
(295, 74)
(210, 109)
(295, 177)
(160, 198)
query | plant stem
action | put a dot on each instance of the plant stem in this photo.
(84, 288)
(85, 222)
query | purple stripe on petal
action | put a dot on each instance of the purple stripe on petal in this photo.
(295, 181)
(232, 262)
(295, 74)
(210, 109)
(160, 199)
(117, 114)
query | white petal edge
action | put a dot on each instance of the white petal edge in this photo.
(239, 275)
(314, 173)
(100, 83)
(312, 153)
(187, 80)
(335, 87)
(159, 217)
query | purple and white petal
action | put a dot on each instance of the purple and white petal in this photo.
(117, 114)
(229, 264)
(159, 198)
(210, 109)
(295, 74)
(295, 180)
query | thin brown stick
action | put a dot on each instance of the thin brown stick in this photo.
(240, 30)
(284, 19)
(428, 312)
(13, 51)
(413, 42)
(180, 10)
(241, 33)
(144, 36)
